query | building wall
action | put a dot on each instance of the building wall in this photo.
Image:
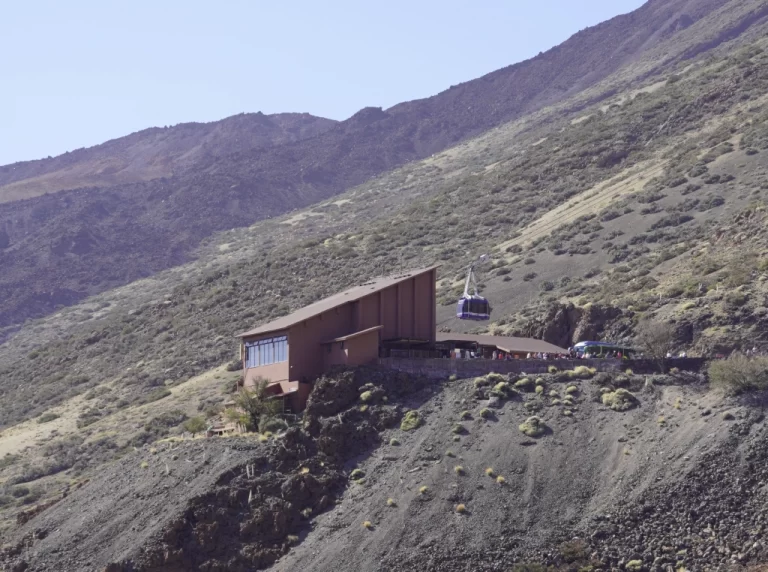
(405, 310)
(307, 359)
(424, 308)
(363, 349)
(360, 350)
(273, 372)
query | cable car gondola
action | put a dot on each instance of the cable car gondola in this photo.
(473, 306)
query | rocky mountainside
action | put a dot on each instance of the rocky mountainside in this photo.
(642, 196)
(155, 153)
(671, 479)
(603, 209)
(61, 247)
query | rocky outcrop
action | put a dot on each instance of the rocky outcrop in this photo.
(567, 324)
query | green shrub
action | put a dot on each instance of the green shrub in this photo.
(533, 427)
(571, 389)
(583, 371)
(526, 384)
(47, 417)
(552, 369)
(495, 378)
(634, 565)
(486, 413)
(736, 299)
(157, 395)
(739, 373)
(619, 400)
(465, 415)
(502, 390)
(19, 492)
(357, 474)
(272, 425)
(394, 442)
(458, 429)
(194, 425)
(481, 382)
(366, 396)
(539, 389)
(410, 421)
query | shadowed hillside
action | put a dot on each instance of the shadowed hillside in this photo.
(62, 247)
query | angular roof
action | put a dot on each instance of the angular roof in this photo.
(354, 293)
(505, 343)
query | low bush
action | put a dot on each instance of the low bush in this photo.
(619, 400)
(486, 413)
(458, 429)
(583, 371)
(526, 384)
(47, 417)
(461, 509)
(272, 425)
(533, 427)
(494, 377)
(194, 425)
(357, 474)
(410, 421)
(739, 374)
(502, 390)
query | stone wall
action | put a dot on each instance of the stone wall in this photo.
(465, 368)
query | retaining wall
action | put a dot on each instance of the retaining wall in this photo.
(465, 368)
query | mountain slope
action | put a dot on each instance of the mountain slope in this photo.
(154, 153)
(65, 246)
(650, 203)
(421, 213)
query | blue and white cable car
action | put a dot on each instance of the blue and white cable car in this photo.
(473, 306)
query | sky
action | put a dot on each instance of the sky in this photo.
(77, 73)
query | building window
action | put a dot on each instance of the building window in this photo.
(266, 352)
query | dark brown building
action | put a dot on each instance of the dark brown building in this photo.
(348, 328)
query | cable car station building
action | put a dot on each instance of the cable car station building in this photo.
(348, 328)
(390, 318)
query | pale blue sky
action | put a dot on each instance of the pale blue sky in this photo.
(76, 73)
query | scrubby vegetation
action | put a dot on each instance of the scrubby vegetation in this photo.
(619, 400)
(411, 420)
(739, 373)
(533, 427)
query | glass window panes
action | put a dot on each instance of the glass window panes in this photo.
(266, 351)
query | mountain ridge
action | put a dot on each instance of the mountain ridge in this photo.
(149, 225)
